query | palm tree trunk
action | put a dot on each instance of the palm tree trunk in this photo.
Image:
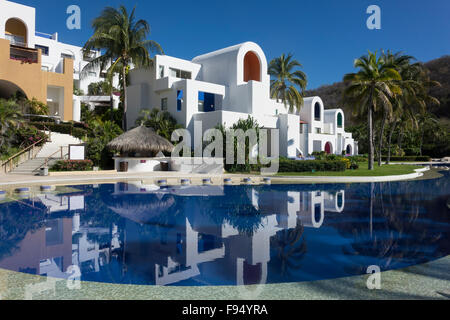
(125, 103)
(380, 143)
(371, 147)
(390, 143)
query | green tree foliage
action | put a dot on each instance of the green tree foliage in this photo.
(100, 134)
(288, 83)
(371, 90)
(122, 40)
(162, 122)
(10, 118)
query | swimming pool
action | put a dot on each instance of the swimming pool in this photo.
(131, 233)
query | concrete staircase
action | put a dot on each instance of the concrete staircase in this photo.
(51, 151)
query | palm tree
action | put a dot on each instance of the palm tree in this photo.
(286, 81)
(402, 63)
(371, 89)
(123, 41)
(415, 84)
(10, 117)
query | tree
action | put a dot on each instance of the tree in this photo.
(370, 89)
(286, 82)
(123, 41)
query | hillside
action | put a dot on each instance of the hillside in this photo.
(439, 71)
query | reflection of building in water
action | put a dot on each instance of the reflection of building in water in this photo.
(178, 245)
(199, 246)
(56, 203)
(61, 242)
(47, 251)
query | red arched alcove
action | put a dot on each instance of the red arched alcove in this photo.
(252, 67)
(328, 148)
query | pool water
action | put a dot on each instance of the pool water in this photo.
(131, 233)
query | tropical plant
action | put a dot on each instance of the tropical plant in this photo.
(10, 118)
(122, 41)
(37, 107)
(100, 134)
(247, 145)
(101, 88)
(287, 81)
(161, 121)
(371, 89)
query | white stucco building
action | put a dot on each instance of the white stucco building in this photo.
(224, 86)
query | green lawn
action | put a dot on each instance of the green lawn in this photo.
(385, 170)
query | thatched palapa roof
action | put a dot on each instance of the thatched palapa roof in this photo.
(141, 140)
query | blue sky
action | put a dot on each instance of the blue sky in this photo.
(324, 35)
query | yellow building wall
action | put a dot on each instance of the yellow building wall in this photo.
(33, 81)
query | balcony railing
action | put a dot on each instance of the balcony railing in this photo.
(16, 40)
(25, 55)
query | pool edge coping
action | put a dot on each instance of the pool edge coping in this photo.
(277, 179)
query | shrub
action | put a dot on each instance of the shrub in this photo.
(409, 158)
(347, 162)
(287, 165)
(73, 165)
(29, 135)
(358, 158)
(354, 166)
(64, 128)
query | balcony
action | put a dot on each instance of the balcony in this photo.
(26, 55)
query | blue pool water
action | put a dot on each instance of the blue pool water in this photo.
(232, 235)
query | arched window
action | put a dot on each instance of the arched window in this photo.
(252, 67)
(317, 112)
(16, 32)
(340, 120)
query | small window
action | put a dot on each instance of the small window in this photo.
(318, 130)
(164, 104)
(161, 71)
(44, 49)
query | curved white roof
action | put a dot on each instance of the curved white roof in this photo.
(249, 45)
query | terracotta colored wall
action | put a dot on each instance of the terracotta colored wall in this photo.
(33, 81)
(252, 67)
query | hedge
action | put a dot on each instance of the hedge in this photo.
(310, 165)
(409, 158)
(73, 165)
(64, 128)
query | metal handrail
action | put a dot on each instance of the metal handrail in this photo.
(19, 154)
(61, 150)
